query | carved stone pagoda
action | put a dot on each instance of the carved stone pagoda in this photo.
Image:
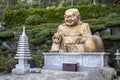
(23, 54)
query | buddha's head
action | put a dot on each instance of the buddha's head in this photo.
(72, 17)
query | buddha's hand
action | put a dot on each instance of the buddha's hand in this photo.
(56, 38)
(80, 40)
(54, 51)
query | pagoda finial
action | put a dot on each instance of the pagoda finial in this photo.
(23, 33)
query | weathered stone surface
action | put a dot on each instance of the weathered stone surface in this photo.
(35, 70)
(48, 75)
(52, 75)
(85, 60)
(101, 73)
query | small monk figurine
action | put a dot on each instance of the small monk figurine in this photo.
(75, 36)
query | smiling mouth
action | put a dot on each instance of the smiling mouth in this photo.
(69, 21)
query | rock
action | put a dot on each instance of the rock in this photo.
(13, 47)
(32, 63)
(6, 45)
(101, 73)
(17, 34)
(1, 27)
(35, 70)
(7, 78)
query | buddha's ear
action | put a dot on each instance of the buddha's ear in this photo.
(64, 15)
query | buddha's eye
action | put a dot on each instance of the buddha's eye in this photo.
(69, 16)
(72, 16)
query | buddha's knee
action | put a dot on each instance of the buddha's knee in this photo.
(55, 47)
(93, 44)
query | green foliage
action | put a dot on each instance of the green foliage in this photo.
(113, 23)
(114, 8)
(56, 15)
(34, 20)
(60, 14)
(112, 19)
(15, 17)
(0, 42)
(6, 34)
(21, 5)
(85, 2)
(95, 28)
(7, 61)
(39, 59)
(113, 15)
(110, 37)
(95, 21)
(3, 23)
(91, 11)
(3, 48)
(40, 36)
(7, 64)
(51, 14)
(3, 51)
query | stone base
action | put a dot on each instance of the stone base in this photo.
(22, 67)
(85, 60)
(20, 71)
(35, 70)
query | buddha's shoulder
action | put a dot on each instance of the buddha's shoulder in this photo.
(62, 26)
(84, 24)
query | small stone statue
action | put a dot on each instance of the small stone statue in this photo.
(75, 36)
(1, 27)
(117, 51)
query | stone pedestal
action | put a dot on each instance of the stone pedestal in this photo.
(85, 60)
(22, 67)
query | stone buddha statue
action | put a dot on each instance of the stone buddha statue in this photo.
(75, 36)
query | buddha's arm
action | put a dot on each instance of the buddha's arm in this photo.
(57, 36)
(56, 41)
(86, 32)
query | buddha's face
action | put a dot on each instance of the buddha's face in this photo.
(71, 19)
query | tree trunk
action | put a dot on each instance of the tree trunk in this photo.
(39, 3)
(72, 1)
(94, 1)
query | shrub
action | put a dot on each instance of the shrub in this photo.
(0, 42)
(112, 19)
(17, 17)
(3, 23)
(7, 64)
(95, 28)
(51, 14)
(95, 21)
(41, 36)
(3, 51)
(113, 23)
(113, 15)
(34, 20)
(39, 59)
(22, 5)
(6, 34)
(85, 2)
(34, 4)
(49, 28)
(114, 8)
(110, 37)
